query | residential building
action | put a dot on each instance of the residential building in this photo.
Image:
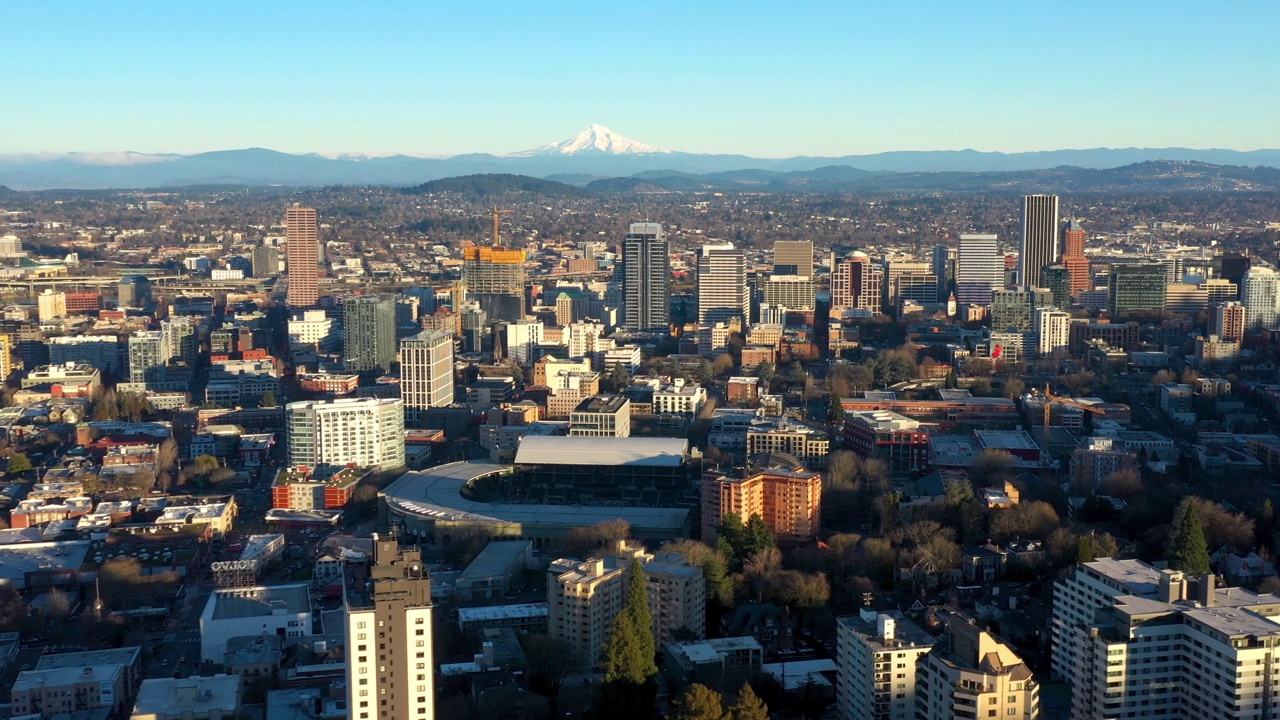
(1094, 461)
(426, 374)
(678, 398)
(877, 654)
(1227, 321)
(148, 357)
(646, 276)
(1053, 332)
(1014, 309)
(979, 269)
(1057, 280)
(677, 594)
(264, 261)
(261, 610)
(369, 333)
(313, 329)
(601, 416)
(51, 305)
(974, 674)
(300, 488)
(807, 444)
(788, 499)
(521, 337)
(390, 664)
(1136, 289)
(722, 285)
(583, 598)
(365, 432)
(1260, 294)
(495, 277)
(1038, 241)
(49, 692)
(722, 664)
(896, 439)
(856, 285)
(793, 257)
(303, 257)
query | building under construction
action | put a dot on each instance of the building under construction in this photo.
(496, 278)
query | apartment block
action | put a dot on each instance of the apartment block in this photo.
(975, 675)
(789, 500)
(877, 654)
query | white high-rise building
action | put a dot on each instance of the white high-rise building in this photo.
(979, 269)
(975, 673)
(877, 655)
(1039, 238)
(314, 329)
(148, 356)
(365, 432)
(1138, 641)
(722, 285)
(1261, 298)
(426, 373)
(586, 340)
(390, 664)
(1053, 332)
(521, 336)
(51, 305)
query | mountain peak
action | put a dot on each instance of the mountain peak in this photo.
(596, 139)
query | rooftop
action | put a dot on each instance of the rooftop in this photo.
(883, 420)
(611, 404)
(711, 650)
(60, 676)
(906, 634)
(497, 558)
(564, 450)
(501, 612)
(192, 697)
(18, 560)
(436, 493)
(346, 477)
(116, 656)
(1005, 440)
(231, 604)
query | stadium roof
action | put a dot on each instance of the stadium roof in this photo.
(563, 450)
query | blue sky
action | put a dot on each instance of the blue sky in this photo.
(766, 79)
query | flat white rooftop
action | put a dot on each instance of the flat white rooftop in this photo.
(564, 450)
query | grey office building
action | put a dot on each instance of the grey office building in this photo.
(1039, 240)
(646, 277)
(369, 333)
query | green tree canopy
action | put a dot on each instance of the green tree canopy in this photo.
(1188, 550)
(748, 706)
(697, 702)
(18, 462)
(629, 651)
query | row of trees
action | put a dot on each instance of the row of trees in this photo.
(699, 702)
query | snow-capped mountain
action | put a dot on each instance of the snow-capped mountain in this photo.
(595, 139)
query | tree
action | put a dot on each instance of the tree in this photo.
(796, 374)
(765, 371)
(167, 456)
(268, 400)
(628, 690)
(714, 564)
(745, 540)
(991, 468)
(551, 660)
(1013, 388)
(1034, 520)
(722, 364)
(749, 706)
(835, 410)
(697, 702)
(19, 463)
(843, 467)
(1188, 551)
(1123, 483)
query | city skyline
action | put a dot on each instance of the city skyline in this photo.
(405, 79)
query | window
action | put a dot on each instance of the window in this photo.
(360, 625)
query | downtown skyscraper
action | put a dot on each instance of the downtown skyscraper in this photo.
(646, 279)
(1038, 244)
(426, 373)
(369, 333)
(303, 256)
(1073, 258)
(722, 285)
(979, 269)
(793, 257)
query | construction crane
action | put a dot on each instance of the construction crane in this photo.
(1050, 399)
(496, 215)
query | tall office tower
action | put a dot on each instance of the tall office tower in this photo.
(1227, 321)
(1174, 270)
(944, 266)
(893, 273)
(1260, 294)
(133, 291)
(369, 333)
(974, 671)
(877, 654)
(793, 257)
(795, 292)
(1232, 267)
(646, 279)
(1136, 289)
(265, 261)
(1039, 240)
(148, 357)
(1057, 279)
(389, 656)
(1073, 258)
(1015, 309)
(723, 293)
(495, 277)
(426, 373)
(365, 432)
(1053, 332)
(180, 338)
(979, 269)
(303, 256)
(519, 339)
(856, 285)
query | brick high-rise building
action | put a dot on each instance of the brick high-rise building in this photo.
(788, 500)
(1073, 257)
(1227, 320)
(856, 285)
(389, 656)
(303, 256)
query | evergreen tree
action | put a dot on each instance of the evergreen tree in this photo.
(757, 537)
(1084, 550)
(835, 410)
(749, 706)
(697, 702)
(1188, 552)
(628, 689)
